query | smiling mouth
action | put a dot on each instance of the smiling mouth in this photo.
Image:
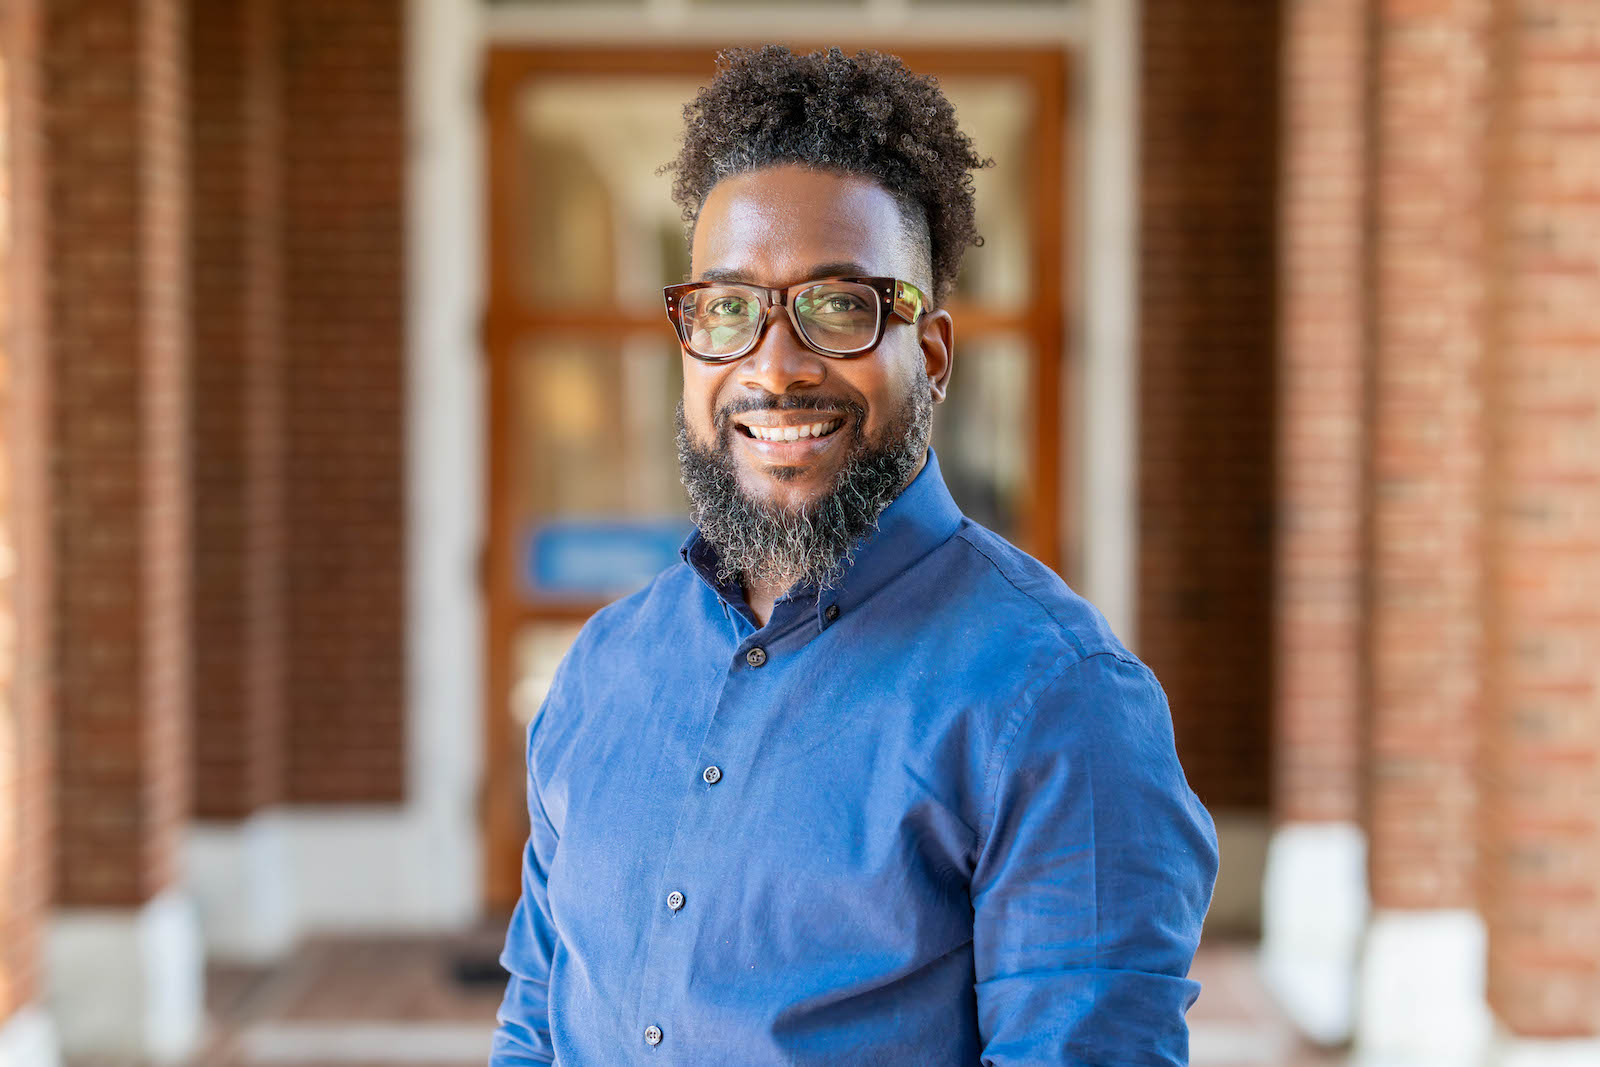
(804, 432)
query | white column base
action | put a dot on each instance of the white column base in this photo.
(239, 874)
(261, 883)
(28, 1039)
(1509, 1050)
(1422, 1001)
(1236, 901)
(128, 982)
(1313, 917)
(382, 869)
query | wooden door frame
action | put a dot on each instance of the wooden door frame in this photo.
(508, 69)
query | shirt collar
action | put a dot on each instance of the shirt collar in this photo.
(923, 517)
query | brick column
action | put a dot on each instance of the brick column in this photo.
(1208, 162)
(1541, 757)
(26, 1033)
(237, 441)
(344, 256)
(1314, 905)
(237, 853)
(1422, 994)
(124, 959)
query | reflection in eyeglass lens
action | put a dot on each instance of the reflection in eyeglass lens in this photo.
(838, 316)
(720, 320)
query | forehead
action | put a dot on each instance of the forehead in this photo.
(775, 225)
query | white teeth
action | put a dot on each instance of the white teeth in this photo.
(793, 433)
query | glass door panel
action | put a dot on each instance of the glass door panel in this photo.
(997, 113)
(983, 429)
(595, 225)
(595, 506)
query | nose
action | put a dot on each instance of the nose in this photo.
(780, 362)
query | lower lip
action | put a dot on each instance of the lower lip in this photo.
(800, 449)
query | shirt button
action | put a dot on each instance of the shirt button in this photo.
(832, 612)
(652, 1035)
(712, 774)
(756, 656)
(674, 900)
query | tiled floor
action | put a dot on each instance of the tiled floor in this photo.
(1234, 1023)
(430, 1002)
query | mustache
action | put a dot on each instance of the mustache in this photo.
(722, 420)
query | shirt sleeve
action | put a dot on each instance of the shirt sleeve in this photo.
(1093, 878)
(523, 1033)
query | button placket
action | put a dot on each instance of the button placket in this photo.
(727, 737)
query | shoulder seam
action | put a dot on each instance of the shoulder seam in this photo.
(1067, 631)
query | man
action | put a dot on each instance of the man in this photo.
(858, 782)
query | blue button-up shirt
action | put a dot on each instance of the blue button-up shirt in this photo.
(932, 815)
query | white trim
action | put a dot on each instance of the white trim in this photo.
(261, 884)
(375, 1042)
(243, 886)
(128, 981)
(1242, 846)
(1108, 411)
(1422, 985)
(379, 869)
(677, 22)
(28, 1039)
(438, 830)
(1313, 919)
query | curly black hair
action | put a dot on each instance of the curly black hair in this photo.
(866, 115)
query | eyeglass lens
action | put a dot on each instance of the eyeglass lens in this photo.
(837, 317)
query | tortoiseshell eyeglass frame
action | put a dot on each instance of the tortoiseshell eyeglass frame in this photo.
(898, 298)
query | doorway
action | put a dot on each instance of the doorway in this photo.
(584, 500)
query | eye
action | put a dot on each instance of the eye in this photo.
(736, 306)
(840, 303)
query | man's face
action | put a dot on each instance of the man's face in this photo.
(781, 509)
(775, 227)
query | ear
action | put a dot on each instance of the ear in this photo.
(938, 350)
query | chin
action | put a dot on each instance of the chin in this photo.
(781, 487)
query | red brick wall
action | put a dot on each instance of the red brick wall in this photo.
(236, 444)
(298, 437)
(26, 752)
(117, 345)
(1427, 450)
(1318, 647)
(1541, 757)
(344, 162)
(1208, 160)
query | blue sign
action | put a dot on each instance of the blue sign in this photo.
(599, 557)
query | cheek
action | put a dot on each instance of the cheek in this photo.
(699, 397)
(885, 391)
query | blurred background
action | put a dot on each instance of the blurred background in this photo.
(1283, 349)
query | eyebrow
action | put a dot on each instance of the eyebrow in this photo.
(840, 269)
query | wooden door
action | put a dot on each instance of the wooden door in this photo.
(584, 499)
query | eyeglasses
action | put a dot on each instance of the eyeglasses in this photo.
(718, 322)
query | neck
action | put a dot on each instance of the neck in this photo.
(761, 598)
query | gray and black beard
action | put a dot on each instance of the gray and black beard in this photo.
(761, 543)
